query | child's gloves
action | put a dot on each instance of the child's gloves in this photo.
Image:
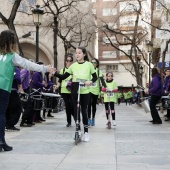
(103, 89)
(115, 90)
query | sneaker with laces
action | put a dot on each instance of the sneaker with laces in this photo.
(85, 137)
(89, 122)
(114, 123)
(93, 122)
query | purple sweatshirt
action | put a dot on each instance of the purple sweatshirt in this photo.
(17, 79)
(166, 83)
(156, 87)
(37, 80)
(25, 78)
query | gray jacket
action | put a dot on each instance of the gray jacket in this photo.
(22, 62)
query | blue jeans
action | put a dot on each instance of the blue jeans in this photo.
(4, 98)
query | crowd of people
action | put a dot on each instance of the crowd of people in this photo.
(21, 76)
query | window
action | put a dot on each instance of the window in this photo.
(94, 11)
(158, 5)
(109, 11)
(25, 5)
(112, 25)
(128, 21)
(109, 54)
(112, 67)
(107, 41)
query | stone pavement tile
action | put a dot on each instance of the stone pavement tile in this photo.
(84, 153)
(143, 159)
(42, 166)
(159, 167)
(13, 166)
(73, 166)
(41, 147)
(6, 156)
(142, 148)
(36, 159)
(83, 166)
(131, 167)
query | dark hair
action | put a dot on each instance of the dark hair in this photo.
(84, 52)
(154, 71)
(8, 41)
(47, 77)
(70, 55)
(40, 63)
(109, 73)
(97, 61)
(166, 69)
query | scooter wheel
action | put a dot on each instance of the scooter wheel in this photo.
(109, 125)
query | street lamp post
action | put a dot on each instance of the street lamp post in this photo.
(141, 72)
(37, 19)
(150, 48)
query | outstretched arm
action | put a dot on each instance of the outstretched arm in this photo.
(62, 76)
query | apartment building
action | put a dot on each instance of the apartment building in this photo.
(161, 18)
(121, 16)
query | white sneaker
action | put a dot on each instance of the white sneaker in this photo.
(79, 133)
(85, 137)
(114, 123)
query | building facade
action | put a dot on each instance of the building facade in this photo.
(119, 16)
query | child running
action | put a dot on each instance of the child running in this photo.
(8, 60)
(81, 71)
(111, 86)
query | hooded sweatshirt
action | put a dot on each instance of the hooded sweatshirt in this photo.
(156, 87)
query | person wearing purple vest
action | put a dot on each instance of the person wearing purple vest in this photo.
(27, 116)
(38, 84)
(166, 88)
(155, 90)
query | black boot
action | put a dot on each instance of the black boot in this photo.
(49, 114)
(4, 146)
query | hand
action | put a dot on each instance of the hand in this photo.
(88, 83)
(103, 89)
(45, 84)
(115, 90)
(51, 69)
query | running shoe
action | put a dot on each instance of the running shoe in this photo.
(114, 123)
(93, 122)
(85, 137)
(89, 122)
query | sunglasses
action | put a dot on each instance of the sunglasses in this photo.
(94, 62)
(69, 61)
(109, 76)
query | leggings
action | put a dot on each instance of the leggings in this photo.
(92, 104)
(69, 106)
(4, 98)
(112, 109)
(84, 100)
(14, 109)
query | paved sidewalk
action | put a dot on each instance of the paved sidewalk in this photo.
(134, 144)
